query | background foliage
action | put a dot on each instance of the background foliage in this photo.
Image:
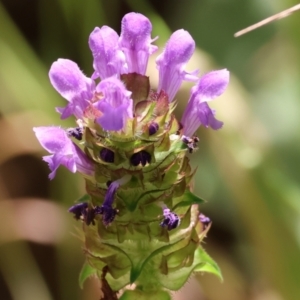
(248, 171)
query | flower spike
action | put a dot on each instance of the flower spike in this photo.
(132, 153)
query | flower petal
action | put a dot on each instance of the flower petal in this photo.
(212, 85)
(64, 152)
(197, 111)
(109, 60)
(171, 63)
(135, 41)
(72, 84)
(116, 104)
(207, 118)
(54, 139)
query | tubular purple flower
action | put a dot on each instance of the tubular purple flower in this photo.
(172, 61)
(110, 194)
(73, 85)
(198, 112)
(63, 151)
(135, 41)
(116, 104)
(106, 210)
(109, 60)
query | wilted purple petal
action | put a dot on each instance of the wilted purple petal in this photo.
(109, 60)
(171, 63)
(63, 151)
(197, 111)
(135, 41)
(78, 209)
(76, 132)
(73, 85)
(115, 105)
(171, 220)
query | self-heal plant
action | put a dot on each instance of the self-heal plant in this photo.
(140, 219)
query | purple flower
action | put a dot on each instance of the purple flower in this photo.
(198, 112)
(63, 151)
(115, 105)
(106, 210)
(171, 63)
(135, 41)
(73, 85)
(109, 60)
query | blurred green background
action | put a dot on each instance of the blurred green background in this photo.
(248, 171)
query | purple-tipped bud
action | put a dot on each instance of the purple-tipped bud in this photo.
(140, 158)
(107, 155)
(204, 220)
(171, 220)
(153, 127)
(171, 63)
(135, 41)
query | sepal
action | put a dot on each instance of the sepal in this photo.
(207, 264)
(86, 272)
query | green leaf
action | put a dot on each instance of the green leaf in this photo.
(208, 264)
(85, 273)
(188, 198)
(84, 198)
